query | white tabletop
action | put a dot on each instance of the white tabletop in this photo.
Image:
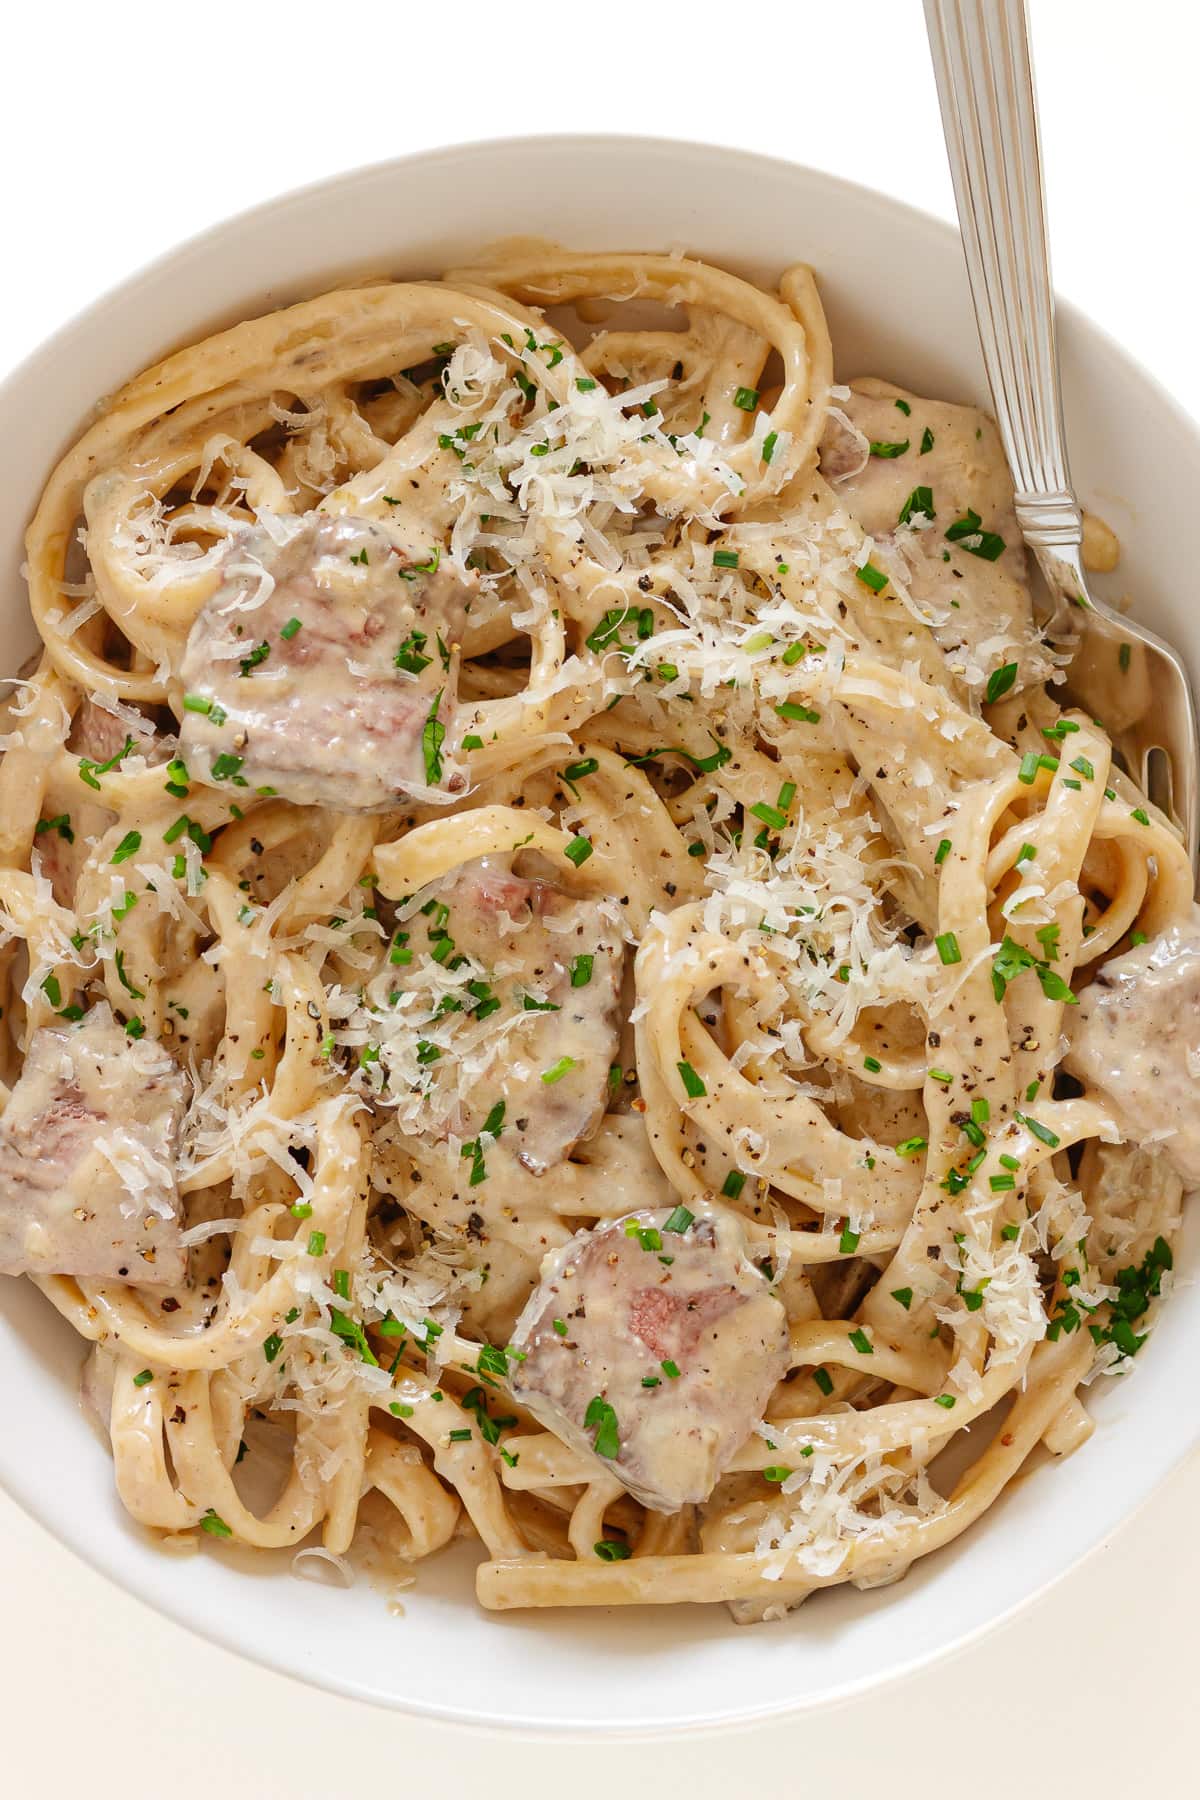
(126, 129)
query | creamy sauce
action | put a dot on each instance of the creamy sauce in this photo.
(492, 1163)
(100, 736)
(979, 607)
(294, 663)
(87, 1158)
(629, 1312)
(1136, 1039)
(535, 940)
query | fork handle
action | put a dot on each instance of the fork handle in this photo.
(980, 51)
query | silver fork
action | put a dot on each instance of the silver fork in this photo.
(1119, 672)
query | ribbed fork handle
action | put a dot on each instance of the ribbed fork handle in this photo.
(981, 59)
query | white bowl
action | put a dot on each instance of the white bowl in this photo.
(894, 287)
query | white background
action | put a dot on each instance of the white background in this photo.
(126, 128)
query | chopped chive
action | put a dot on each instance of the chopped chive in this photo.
(679, 1220)
(903, 1297)
(968, 533)
(725, 559)
(670, 1370)
(409, 656)
(920, 501)
(872, 1064)
(1001, 680)
(1053, 985)
(578, 850)
(1040, 1131)
(88, 770)
(433, 734)
(947, 948)
(602, 1416)
(351, 1333)
(848, 1242)
(129, 846)
(177, 780)
(746, 399)
(562, 1067)
(733, 1184)
(862, 1342)
(824, 1381)
(943, 851)
(122, 977)
(872, 577)
(692, 1083)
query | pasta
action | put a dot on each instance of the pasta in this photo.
(568, 980)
